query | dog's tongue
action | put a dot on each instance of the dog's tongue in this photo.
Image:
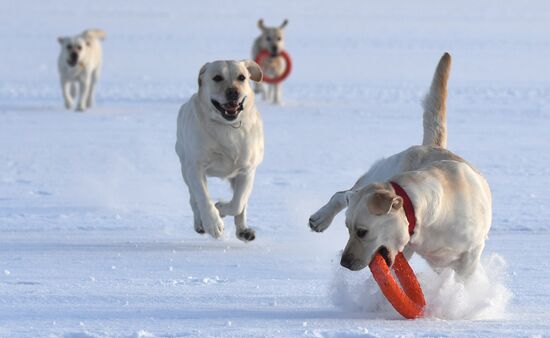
(231, 107)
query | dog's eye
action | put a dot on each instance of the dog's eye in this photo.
(78, 47)
(279, 38)
(69, 47)
(361, 233)
(217, 78)
(241, 78)
(268, 38)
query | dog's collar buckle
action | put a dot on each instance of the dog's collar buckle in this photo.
(407, 206)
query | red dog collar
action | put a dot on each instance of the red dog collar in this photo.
(407, 205)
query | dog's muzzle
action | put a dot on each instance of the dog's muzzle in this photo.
(385, 253)
(229, 110)
(351, 263)
(73, 59)
(274, 51)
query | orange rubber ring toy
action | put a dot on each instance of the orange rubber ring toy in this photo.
(263, 54)
(408, 301)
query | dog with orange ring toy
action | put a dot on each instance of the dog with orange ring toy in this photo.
(272, 39)
(450, 200)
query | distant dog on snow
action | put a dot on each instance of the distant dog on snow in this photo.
(79, 66)
(450, 198)
(272, 39)
(220, 133)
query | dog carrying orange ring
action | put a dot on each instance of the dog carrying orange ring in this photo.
(408, 300)
(278, 78)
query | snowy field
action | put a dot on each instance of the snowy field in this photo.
(96, 234)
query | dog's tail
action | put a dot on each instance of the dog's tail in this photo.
(95, 33)
(435, 125)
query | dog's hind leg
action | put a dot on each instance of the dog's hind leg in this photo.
(468, 262)
(321, 220)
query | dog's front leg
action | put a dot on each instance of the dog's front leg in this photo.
(242, 187)
(321, 220)
(66, 88)
(197, 184)
(85, 84)
(278, 93)
(271, 93)
(91, 95)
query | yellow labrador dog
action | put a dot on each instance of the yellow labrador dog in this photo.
(425, 200)
(79, 65)
(220, 134)
(272, 39)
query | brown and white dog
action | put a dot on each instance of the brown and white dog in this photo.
(272, 39)
(450, 199)
(79, 65)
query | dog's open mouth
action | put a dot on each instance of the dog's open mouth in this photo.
(229, 110)
(385, 253)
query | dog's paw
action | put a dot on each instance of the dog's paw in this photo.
(199, 228)
(320, 221)
(68, 105)
(80, 109)
(214, 227)
(246, 235)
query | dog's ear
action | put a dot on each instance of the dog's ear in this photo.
(201, 72)
(382, 202)
(283, 25)
(254, 69)
(61, 40)
(94, 33)
(261, 24)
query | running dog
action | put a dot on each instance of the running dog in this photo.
(220, 134)
(79, 65)
(425, 200)
(272, 39)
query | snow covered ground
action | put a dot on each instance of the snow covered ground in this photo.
(96, 235)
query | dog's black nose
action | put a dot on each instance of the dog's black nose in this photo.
(274, 50)
(346, 261)
(74, 56)
(232, 94)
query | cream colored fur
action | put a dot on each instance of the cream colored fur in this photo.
(79, 66)
(213, 141)
(271, 39)
(451, 199)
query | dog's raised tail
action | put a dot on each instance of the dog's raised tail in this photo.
(435, 125)
(95, 33)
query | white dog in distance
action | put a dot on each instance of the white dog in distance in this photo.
(79, 65)
(450, 198)
(272, 39)
(220, 134)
